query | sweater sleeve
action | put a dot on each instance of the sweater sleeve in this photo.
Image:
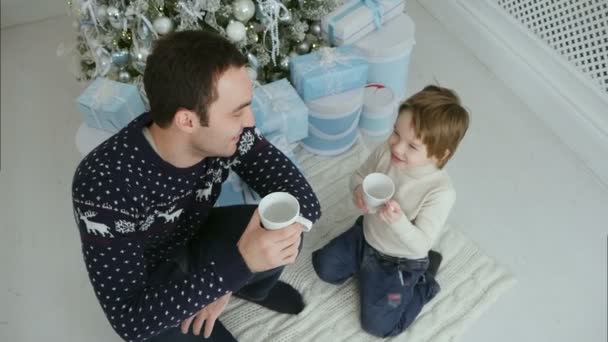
(421, 233)
(266, 169)
(369, 166)
(113, 251)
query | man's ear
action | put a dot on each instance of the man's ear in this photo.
(186, 120)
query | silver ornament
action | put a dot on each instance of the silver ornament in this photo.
(303, 48)
(114, 17)
(163, 25)
(124, 76)
(315, 28)
(120, 58)
(138, 58)
(253, 60)
(243, 10)
(103, 65)
(284, 63)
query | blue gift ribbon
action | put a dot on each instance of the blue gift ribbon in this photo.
(373, 5)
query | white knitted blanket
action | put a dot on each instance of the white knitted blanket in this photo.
(470, 280)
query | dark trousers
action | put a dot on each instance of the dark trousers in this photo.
(393, 290)
(227, 224)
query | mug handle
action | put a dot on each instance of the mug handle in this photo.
(305, 222)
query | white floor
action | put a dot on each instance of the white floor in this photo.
(522, 195)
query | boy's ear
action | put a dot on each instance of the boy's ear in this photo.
(446, 155)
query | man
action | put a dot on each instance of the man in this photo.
(162, 261)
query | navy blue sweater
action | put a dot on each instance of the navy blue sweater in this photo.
(135, 212)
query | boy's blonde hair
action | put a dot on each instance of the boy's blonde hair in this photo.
(438, 119)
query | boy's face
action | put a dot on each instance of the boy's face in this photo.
(407, 150)
(227, 116)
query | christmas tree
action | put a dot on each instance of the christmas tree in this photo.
(116, 36)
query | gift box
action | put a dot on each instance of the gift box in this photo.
(282, 144)
(379, 109)
(235, 191)
(278, 109)
(335, 114)
(110, 105)
(356, 18)
(328, 71)
(388, 52)
(232, 191)
(324, 144)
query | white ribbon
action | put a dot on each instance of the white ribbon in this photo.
(328, 58)
(271, 11)
(89, 6)
(137, 12)
(98, 52)
(280, 107)
(191, 11)
(107, 92)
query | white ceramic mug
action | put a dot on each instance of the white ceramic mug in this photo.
(279, 210)
(378, 189)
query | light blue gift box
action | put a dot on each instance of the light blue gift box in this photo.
(379, 110)
(278, 109)
(232, 191)
(110, 105)
(356, 18)
(230, 196)
(324, 144)
(388, 52)
(328, 71)
(335, 114)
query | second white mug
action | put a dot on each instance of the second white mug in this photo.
(378, 189)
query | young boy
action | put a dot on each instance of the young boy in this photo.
(389, 250)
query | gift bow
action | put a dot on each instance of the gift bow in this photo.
(328, 58)
(106, 92)
(279, 106)
(374, 6)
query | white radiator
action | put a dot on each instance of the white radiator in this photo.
(576, 29)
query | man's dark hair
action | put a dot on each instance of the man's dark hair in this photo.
(182, 72)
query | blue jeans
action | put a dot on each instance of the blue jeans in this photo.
(393, 291)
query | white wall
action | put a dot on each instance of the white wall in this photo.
(555, 90)
(16, 12)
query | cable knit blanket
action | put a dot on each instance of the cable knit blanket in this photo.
(471, 281)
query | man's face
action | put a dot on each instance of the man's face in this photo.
(227, 116)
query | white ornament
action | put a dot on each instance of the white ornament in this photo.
(236, 31)
(115, 17)
(163, 25)
(243, 10)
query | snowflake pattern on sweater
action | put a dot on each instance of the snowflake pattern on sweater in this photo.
(135, 212)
